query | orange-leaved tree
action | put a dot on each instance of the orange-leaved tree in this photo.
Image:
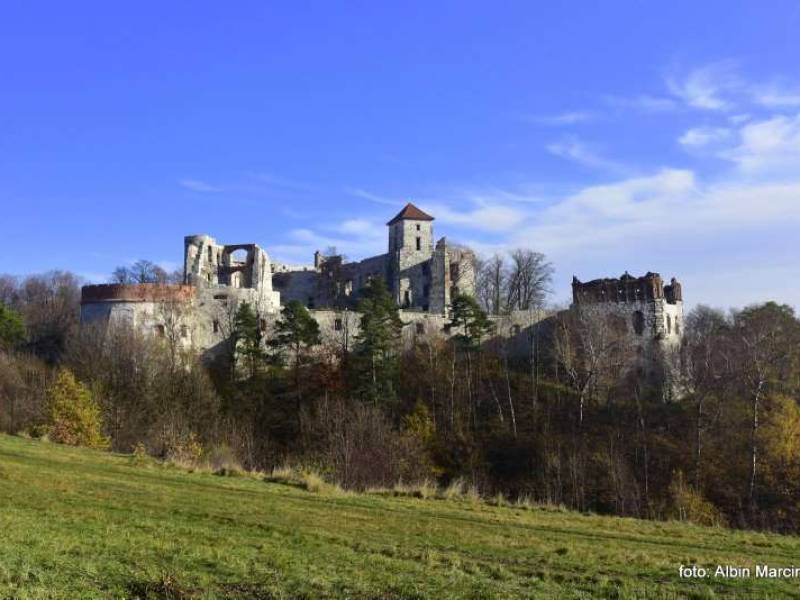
(74, 416)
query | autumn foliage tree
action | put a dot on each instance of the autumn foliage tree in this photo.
(74, 416)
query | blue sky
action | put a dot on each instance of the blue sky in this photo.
(611, 136)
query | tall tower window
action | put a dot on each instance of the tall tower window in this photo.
(418, 226)
(419, 242)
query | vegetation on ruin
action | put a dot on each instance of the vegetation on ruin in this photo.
(88, 524)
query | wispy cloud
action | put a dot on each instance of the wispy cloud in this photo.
(375, 198)
(707, 87)
(774, 96)
(703, 136)
(565, 118)
(643, 102)
(355, 238)
(195, 185)
(576, 150)
(488, 217)
(768, 146)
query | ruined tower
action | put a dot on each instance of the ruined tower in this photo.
(235, 272)
(410, 251)
(651, 310)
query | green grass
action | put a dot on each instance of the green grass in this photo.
(80, 524)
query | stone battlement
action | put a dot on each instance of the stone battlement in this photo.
(626, 288)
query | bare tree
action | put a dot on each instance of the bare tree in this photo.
(491, 282)
(528, 280)
(705, 369)
(9, 294)
(142, 271)
(592, 349)
(50, 304)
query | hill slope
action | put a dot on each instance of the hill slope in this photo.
(79, 523)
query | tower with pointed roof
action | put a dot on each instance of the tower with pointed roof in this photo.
(410, 252)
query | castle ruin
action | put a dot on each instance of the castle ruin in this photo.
(423, 276)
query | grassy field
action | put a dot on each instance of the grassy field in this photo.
(81, 524)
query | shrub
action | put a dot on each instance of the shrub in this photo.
(455, 490)
(74, 416)
(183, 449)
(690, 505)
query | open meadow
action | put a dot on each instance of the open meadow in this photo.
(78, 523)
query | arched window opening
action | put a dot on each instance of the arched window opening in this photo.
(239, 256)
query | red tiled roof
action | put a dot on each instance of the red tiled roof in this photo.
(412, 213)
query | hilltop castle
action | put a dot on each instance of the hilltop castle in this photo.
(422, 276)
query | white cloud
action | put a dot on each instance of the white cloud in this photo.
(771, 145)
(669, 204)
(196, 185)
(355, 238)
(578, 151)
(707, 87)
(773, 96)
(488, 217)
(359, 227)
(703, 136)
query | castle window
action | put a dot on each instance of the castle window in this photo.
(453, 271)
(310, 302)
(215, 326)
(638, 322)
(262, 324)
(669, 324)
(159, 329)
(419, 243)
(407, 298)
(337, 324)
(417, 226)
(420, 326)
(208, 275)
(210, 254)
(184, 331)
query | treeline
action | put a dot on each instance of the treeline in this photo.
(708, 432)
